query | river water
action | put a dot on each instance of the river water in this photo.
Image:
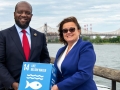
(107, 55)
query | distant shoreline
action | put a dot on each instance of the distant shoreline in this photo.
(93, 43)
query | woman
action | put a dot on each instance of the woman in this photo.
(75, 61)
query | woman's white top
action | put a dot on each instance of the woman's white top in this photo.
(62, 56)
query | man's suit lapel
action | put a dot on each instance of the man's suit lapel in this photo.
(33, 41)
(16, 39)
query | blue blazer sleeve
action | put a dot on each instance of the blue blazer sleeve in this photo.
(77, 67)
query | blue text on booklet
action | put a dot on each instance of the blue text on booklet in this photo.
(37, 76)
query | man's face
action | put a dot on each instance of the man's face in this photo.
(23, 15)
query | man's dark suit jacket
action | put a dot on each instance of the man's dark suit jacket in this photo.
(12, 55)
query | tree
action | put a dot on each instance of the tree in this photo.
(98, 39)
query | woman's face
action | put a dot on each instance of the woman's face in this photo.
(70, 32)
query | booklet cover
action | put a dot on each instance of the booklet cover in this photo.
(37, 76)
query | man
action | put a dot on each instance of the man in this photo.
(1, 87)
(14, 41)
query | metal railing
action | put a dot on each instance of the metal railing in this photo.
(104, 72)
(108, 73)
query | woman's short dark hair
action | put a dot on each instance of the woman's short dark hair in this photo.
(66, 20)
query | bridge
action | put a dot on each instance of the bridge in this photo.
(54, 31)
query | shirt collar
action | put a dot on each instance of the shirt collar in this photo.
(19, 29)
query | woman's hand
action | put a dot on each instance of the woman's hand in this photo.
(55, 87)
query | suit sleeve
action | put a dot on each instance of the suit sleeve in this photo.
(5, 76)
(44, 54)
(85, 69)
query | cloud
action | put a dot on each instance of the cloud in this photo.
(110, 6)
(1, 8)
(102, 14)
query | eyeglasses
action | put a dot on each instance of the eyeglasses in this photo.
(70, 30)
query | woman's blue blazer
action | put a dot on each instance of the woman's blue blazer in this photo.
(77, 67)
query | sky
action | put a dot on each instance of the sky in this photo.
(99, 15)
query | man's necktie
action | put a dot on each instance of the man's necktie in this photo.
(26, 46)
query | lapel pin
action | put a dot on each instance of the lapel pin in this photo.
(35, 34)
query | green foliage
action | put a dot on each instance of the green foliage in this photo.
(56, 40)
(97, 40)
(86, 38)
(100, 40)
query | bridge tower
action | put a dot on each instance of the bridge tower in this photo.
(45, 31)
(45, 28)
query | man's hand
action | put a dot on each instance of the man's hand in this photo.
(55, 87)
(15, 85)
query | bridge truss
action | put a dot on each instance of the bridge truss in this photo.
(47, 29)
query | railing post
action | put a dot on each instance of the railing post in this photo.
(113, 85)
